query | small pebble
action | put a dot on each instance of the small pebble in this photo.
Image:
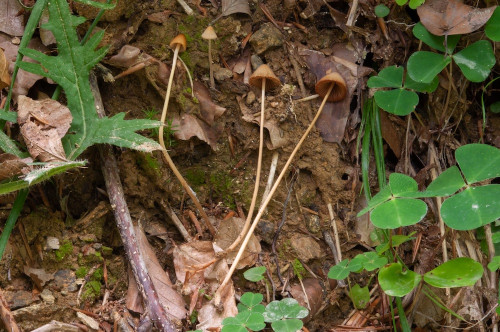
(87, 320)
(250, 98)
(52, 243)
(47, 296)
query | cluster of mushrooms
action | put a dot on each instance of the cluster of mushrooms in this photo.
(332, 87)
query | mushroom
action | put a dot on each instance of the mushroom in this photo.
(331, 87)
(264, 79)
(179, 44)
(209, 34)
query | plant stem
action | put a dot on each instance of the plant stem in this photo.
(257, 176)
(170, 162)
(11, 220)
(402, 316)
(268, 199)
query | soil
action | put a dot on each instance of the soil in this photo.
(89, 265)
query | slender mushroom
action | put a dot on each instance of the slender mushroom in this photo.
(209, 34)
(179, 44)
(264, 79)
(331, 87)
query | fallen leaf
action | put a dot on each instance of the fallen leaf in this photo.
(392, 133)
(187, 126)
(333, 119)
(160, 17)
(452, 17)
(235, 6)
(128, 56)
(313, 295)
(133, 300)
(208, 109)
(10, 22)
(11, 165)
(227, 232)
(4, 71)
(276, 135)
(39, 276)
(169, 298)
(43, 123)
(187, 261)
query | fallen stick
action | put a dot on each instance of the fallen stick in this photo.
(126, 228)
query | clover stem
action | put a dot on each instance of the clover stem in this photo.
(268, 199)
(169, 160)
(257, 176)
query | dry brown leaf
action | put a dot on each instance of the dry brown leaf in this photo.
(10, 22)
(314, 293)
(172, 302)
(208, 109)
(235, 6)
(39, 276)
(133, 300)
(187, 126)
(11, 165)
(333, 119)
(452, 17)
(392, 133)
(227, 232)
(186, 259)
(43, 123)
(276, 135)
(4, 71)
(128, 56)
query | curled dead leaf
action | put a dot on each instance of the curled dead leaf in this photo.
(208, 109)
(11, 165)
(452, 17)
(311, 296)
(4, 71)
(187, 126)
(235, 6)
(43, 123)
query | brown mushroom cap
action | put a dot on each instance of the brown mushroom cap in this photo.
(339, 90)
(180, 40)
(264, 73)
(209, 33)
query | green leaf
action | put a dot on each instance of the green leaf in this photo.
(458, 272)
(9, 146)
(255, 273)
(251, 302)
(476, 60)
(360, 296)
(436, 42)
(492, 28)
(246, 319)
(38, 175)
(396, 241)
(395, 282)
(398, 101)
(369, 261)
(447, 183)
(382, 196)
(401, 2)
(70, 69)
(416, 3)
(339, 271)
(401, 184)
(472, 208)
(382, 10)
(398, 212)
(421, 87)
(286, 308)
(478, 162)
(494, 264)
(495, 107)
(288, 325)
(389, 77)
(424, 66)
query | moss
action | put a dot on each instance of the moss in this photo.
(98, 275)
(92, 290)
(222, 185)
(298, 268)
(148, 164)
(107, 251)
(65, 249)
(81, 272)
(195, 176)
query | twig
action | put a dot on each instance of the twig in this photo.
(57, 326)
(186, 8)
(352, 13)
(9, 323)
(335, 232)
(126, 228)
(176, 221)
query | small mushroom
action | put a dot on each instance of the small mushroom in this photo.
(264, 79)
(179, 45)
(209, 34)
(331, 87)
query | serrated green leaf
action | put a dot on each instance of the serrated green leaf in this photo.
(436, 42)
(424, 66)
(395, 282)
(398, 101)
(70, 69)
(398, 212)
(492, 28)
(255, 273)
(478, 162)
(458, 272)
(472, 208)
(476, 60)
(360, 296)
(9, 146)
(389, 77)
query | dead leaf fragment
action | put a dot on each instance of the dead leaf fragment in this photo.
(208, 109)
(43, 123)
(39, 276)
(452, 17)
(227, 232)
(10, 22)
(4, 71)
(312, 298)
(235, 6)
(11, 165)
(187, 126)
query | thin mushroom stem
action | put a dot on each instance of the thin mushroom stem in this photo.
(212, 81)
(170, 162)
(257, 176)
(268, 199)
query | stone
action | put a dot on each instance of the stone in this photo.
(87, 320)
(250, 98)
(221, 74)
(47, 296)
(64, 280)
(19, 299)
(267, 37)
(52, 243)
(256, 61)
(306, 248)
